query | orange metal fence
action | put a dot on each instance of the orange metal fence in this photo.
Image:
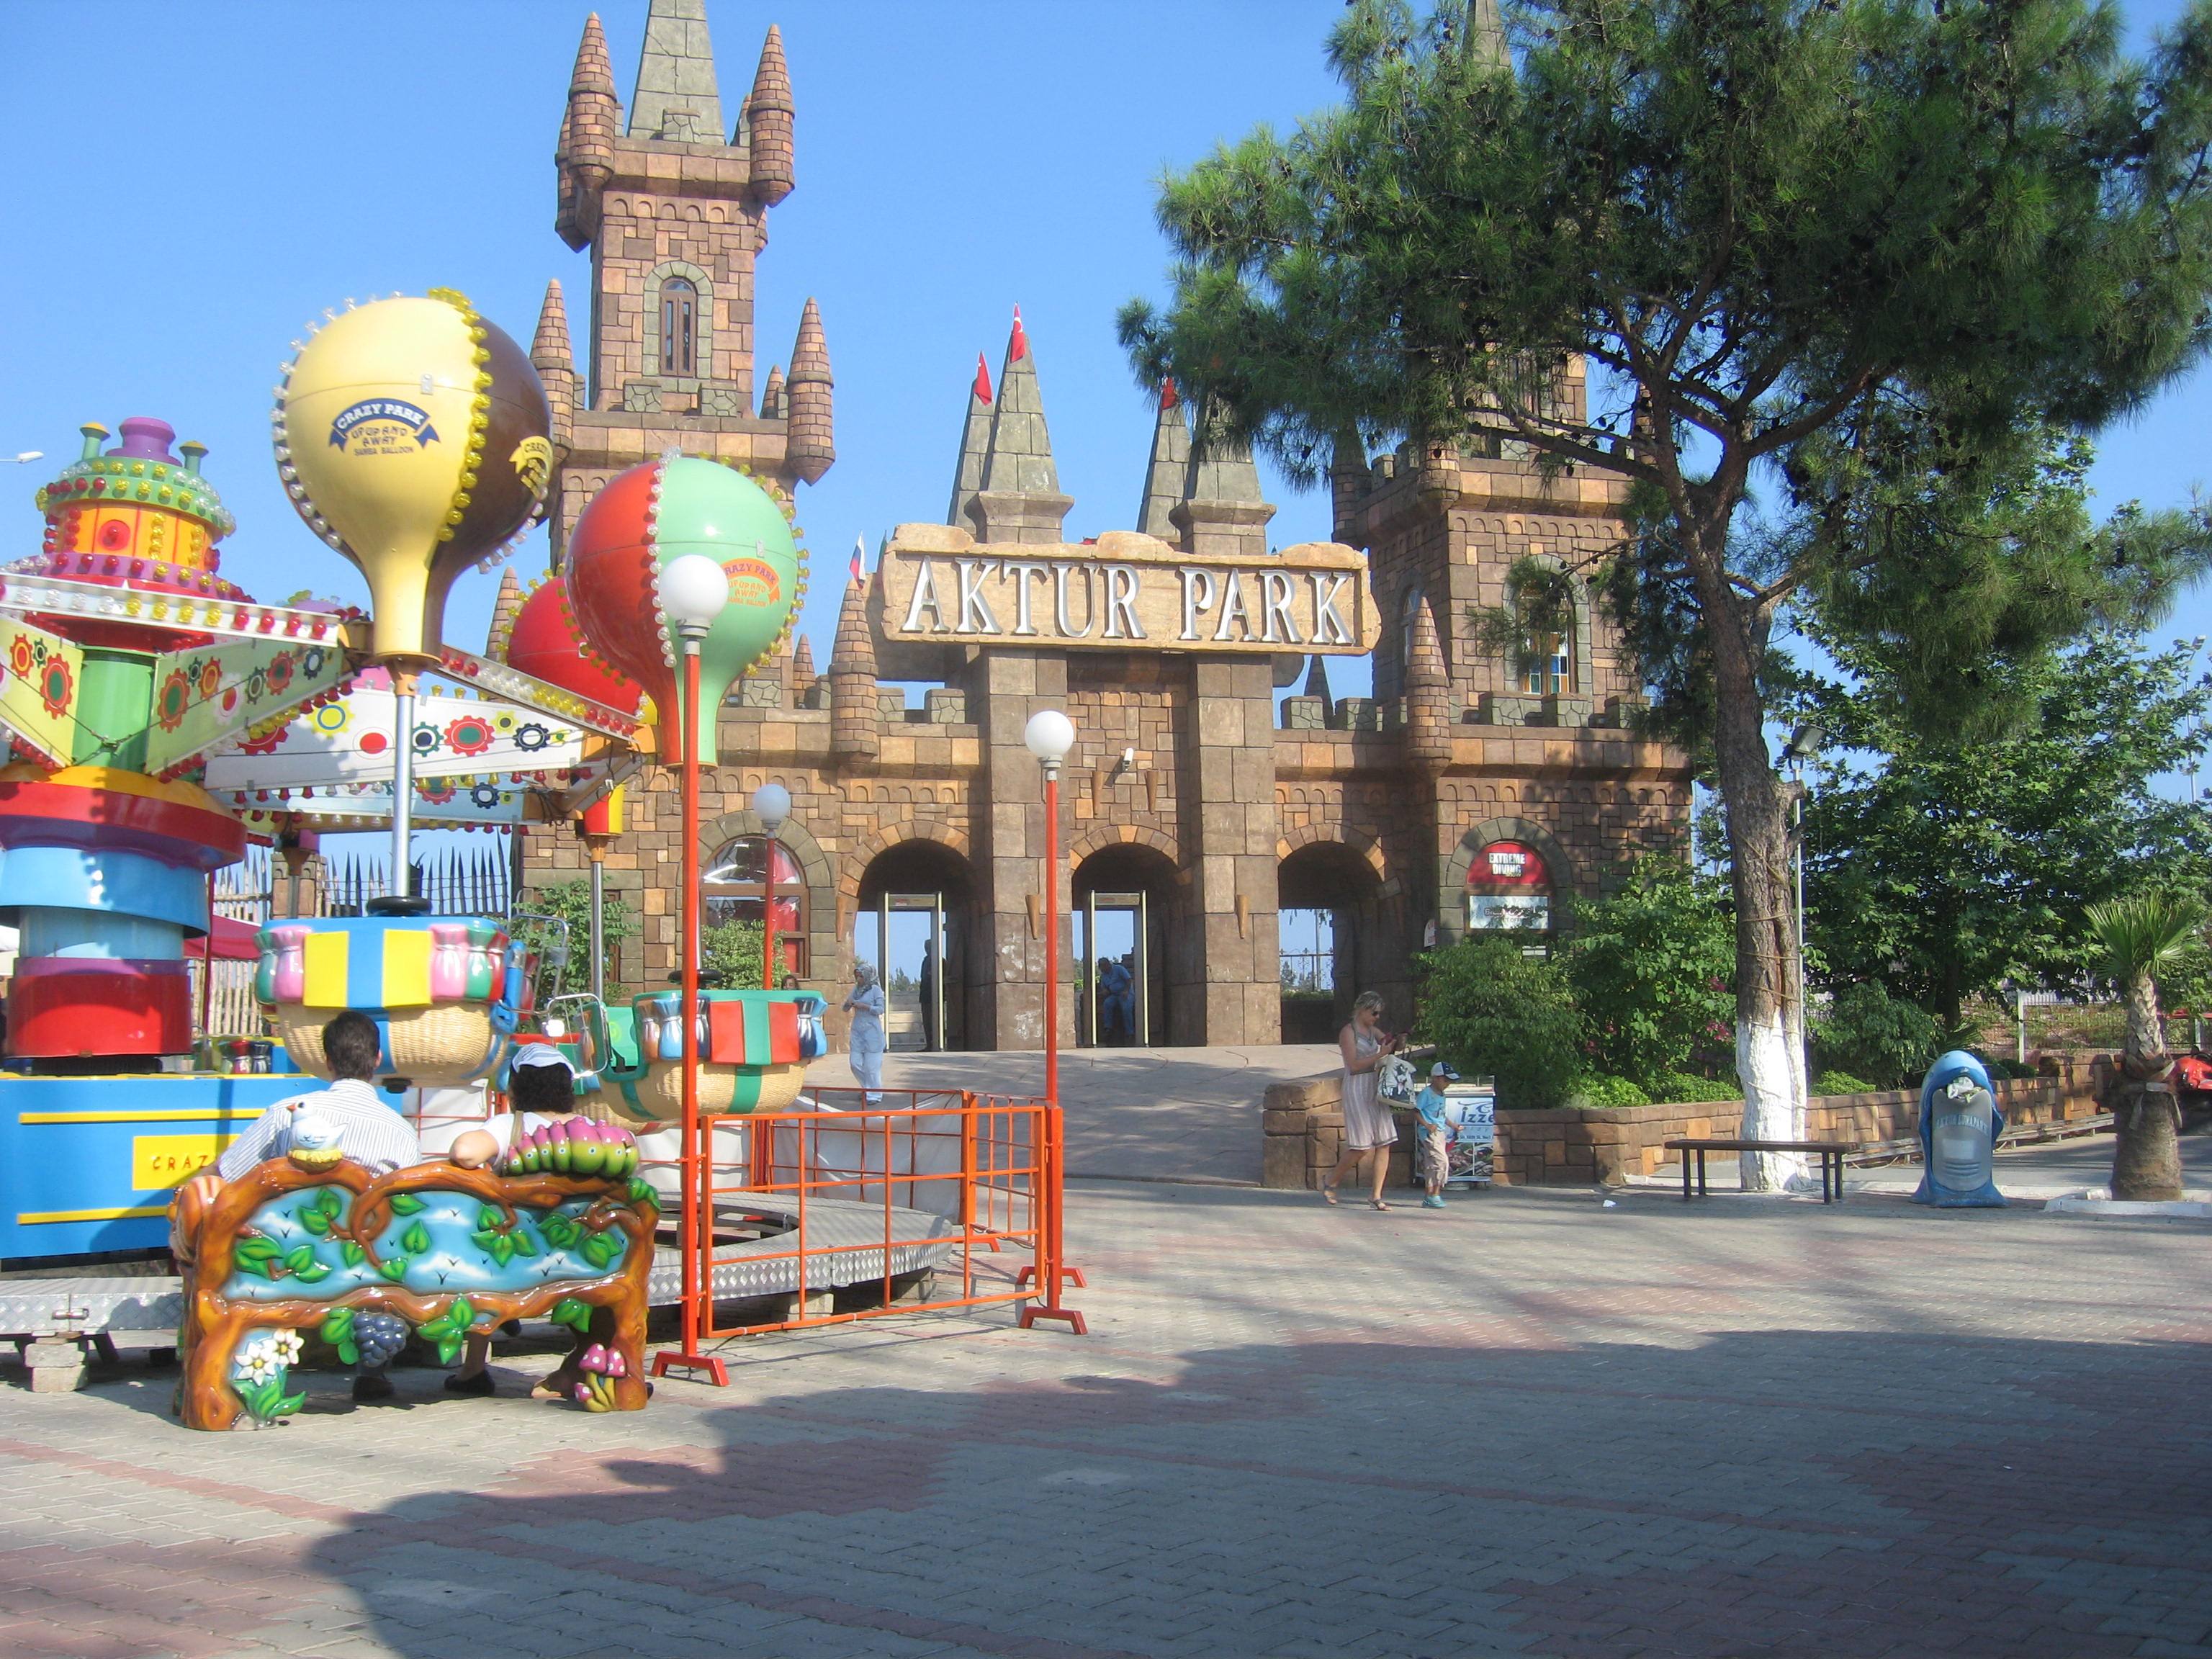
(919, 1201)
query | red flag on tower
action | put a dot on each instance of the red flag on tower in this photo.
(982, 380)
(1019, 347)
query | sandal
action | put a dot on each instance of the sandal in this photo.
(1376, 1203)
(1328, 1195)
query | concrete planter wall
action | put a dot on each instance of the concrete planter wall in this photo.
(1301, 1125)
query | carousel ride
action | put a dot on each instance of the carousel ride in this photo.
(161, 719)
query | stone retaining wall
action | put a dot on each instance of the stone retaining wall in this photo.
(1302, 1126)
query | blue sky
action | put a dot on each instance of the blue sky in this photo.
(189, 186)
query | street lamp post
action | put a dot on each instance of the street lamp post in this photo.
(1049, 735)
(771, 805)
(693, 590)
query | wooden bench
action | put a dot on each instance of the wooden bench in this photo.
(1832, 1154)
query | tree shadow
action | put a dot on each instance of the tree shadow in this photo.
(1759, 1494)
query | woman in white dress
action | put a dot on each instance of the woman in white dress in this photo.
(1369, 1130)
(864, 1043)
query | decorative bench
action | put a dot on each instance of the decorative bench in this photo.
(354, 1259)
(1832, 1154)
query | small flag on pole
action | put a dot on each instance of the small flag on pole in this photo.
(860, 547)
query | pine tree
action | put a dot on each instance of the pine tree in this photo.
(1859, 254)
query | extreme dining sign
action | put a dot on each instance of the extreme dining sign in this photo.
(1126, 591)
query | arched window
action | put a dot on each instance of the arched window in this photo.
(733, 890)
(679, 326)
(1549, 664)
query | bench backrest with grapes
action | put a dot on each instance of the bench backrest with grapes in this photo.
(285, 1256)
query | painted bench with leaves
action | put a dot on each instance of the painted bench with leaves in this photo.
(284, 1254)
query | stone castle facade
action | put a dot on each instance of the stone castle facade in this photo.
(1470, 780)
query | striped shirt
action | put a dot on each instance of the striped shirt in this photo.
(371, 1134)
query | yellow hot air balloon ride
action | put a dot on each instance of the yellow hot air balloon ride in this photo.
(413, 436)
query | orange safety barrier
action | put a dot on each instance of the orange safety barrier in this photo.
(920, 1186)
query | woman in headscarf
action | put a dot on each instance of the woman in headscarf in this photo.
(866, 1042)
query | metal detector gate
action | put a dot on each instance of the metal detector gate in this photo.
(931, 987)
(1140, 990)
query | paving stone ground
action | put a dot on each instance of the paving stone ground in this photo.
(1528, 1424)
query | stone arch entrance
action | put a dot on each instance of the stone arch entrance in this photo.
(915, 916)
(1328, 901)
(1128, 910)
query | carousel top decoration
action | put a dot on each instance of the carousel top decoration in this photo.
(413, 437)
(643, 521)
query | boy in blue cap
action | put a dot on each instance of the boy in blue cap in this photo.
(1433, 1151)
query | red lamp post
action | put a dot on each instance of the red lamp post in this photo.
(1049, 735)
(693, 590)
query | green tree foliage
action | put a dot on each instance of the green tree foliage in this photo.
(1864, 1032)
(1862, 248)
(1942, 867)
(571, 901)
(1495, 1012)
(1649, 968)
(731, 954)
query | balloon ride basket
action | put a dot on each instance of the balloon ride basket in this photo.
(856, 1209)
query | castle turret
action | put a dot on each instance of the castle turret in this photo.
(1020, 500)
(1318, 680)
(1222, 511)
(551, 355)
(805, 679)
(504, 610)
(974, 448)
(772, 403)
(585, 156)
(1169, 469)
(1428, 696)
(855, 717)
(678, 101)
(767, 123)
(812, 445)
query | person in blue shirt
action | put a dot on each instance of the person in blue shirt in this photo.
(1434, 1150)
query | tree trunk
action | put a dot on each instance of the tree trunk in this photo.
(1770, 1027)
(2146, 1116)
(2146, 1141)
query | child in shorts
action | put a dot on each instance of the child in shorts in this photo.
(1433, 1152)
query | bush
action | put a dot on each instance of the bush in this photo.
(1601, 1091)
(731, 953)
(571, 901)
(1681, 1088)
(1868, 1033)
(1650, 970)
(1841, 1083)
(1494, 1012)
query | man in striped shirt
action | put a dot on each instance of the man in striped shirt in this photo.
(369, 1132)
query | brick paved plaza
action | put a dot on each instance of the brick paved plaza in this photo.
(1528, 1424)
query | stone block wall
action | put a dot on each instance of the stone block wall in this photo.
(1302, 1128)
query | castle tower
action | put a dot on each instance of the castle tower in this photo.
(1222, 511)
(974, 448)
(673, 207)
(1020, 499)
(1167, 474)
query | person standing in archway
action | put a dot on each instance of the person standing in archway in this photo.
(864, 1042)
(1369, 1130)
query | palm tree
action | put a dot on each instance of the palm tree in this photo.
(2142, 936)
